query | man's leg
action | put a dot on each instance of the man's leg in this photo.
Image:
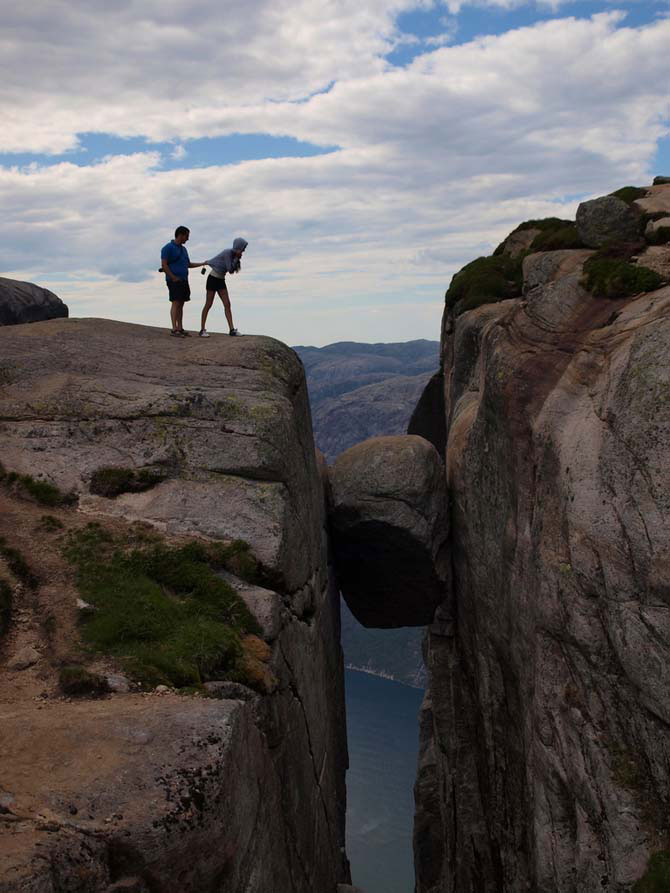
(173, 315)
(223, 294)
(179, 315)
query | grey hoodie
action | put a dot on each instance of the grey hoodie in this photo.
(225, 261)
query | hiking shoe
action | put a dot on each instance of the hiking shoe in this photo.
(175, 333)
(184, 334)
(203, 333)
(233, 332)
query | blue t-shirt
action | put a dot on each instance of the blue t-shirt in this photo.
(177, 258)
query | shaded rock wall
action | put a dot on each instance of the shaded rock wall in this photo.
(171, 792)
(545, 746)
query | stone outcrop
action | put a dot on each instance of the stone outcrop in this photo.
(22, 302)
(607, 219)
(389, 526)
(170, 792)
(544, 733)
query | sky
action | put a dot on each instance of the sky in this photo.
(366, 149)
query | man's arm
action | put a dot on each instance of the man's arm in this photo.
(168, 272)
(197, 265)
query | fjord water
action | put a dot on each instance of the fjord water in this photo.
(382, 732)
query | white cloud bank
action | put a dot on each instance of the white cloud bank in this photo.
(437, 161)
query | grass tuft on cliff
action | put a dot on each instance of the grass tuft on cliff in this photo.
(629, 194)
(656, 878)
(18, 565)
(485, 280)
(609, 274)
(111, 481)
(39, 491)
(557, 239)
(161, 610)
(77, 681)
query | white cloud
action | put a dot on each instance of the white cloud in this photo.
(439, 160)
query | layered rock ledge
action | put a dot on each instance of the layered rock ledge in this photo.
(164, 791)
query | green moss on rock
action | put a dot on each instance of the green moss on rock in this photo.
(629, 194)
(557, 239)
(607, 276)
(161, 610)
(39, 491)
(656, 879)
(111, 481)
(660, 236)
(77, 681)
(485, 280)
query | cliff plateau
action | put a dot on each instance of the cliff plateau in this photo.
(122, 786)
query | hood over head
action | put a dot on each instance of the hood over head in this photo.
(239, 244)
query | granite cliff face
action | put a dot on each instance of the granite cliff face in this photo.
(139, 791)
(545, 745)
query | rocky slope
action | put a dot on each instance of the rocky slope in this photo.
(545, 745)
(173, 792)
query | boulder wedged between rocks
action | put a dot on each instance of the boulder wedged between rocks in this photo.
(389, 528)
(22, 302)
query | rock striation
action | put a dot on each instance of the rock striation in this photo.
(159, 791)
(22, 302)
(545, 740)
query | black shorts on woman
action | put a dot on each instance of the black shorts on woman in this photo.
(215, 283)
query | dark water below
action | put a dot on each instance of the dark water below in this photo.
(382, 730)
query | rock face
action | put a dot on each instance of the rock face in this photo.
(389, 527)
(24, 302)
(607, 219)
(167, 792)
(544, 734)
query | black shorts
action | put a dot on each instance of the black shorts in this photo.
(214, 283)
(179, 290)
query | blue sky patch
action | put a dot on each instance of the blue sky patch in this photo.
(190, 154)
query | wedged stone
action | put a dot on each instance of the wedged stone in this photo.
(389, 525)
(607, 219)
(22, 302)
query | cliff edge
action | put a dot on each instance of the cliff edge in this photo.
(170, 670)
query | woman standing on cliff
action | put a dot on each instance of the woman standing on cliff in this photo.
(227, 261)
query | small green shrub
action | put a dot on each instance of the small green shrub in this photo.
(18, 565)
(39, 491)
(656, 878)
(485, 280)
(557, 239)
(6, 595)
(629, 194)
(161, 610)
(611, 277)
(49, 524)
(545, 224)
(111, 481)
(78, 681)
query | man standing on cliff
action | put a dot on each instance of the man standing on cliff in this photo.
(175, 263)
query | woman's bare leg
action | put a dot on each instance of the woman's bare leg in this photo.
(209, 300)
(223, 294)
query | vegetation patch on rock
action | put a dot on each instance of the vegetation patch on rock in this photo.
(111, 481)
(557, 239)
(660, 236)
(78, 681)
(485, 280)
(629, 194)
(656, 878)
(38, 491)
(18, 565)
(161, 610)
(609, 273)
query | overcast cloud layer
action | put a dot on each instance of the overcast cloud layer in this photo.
(434, 162)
